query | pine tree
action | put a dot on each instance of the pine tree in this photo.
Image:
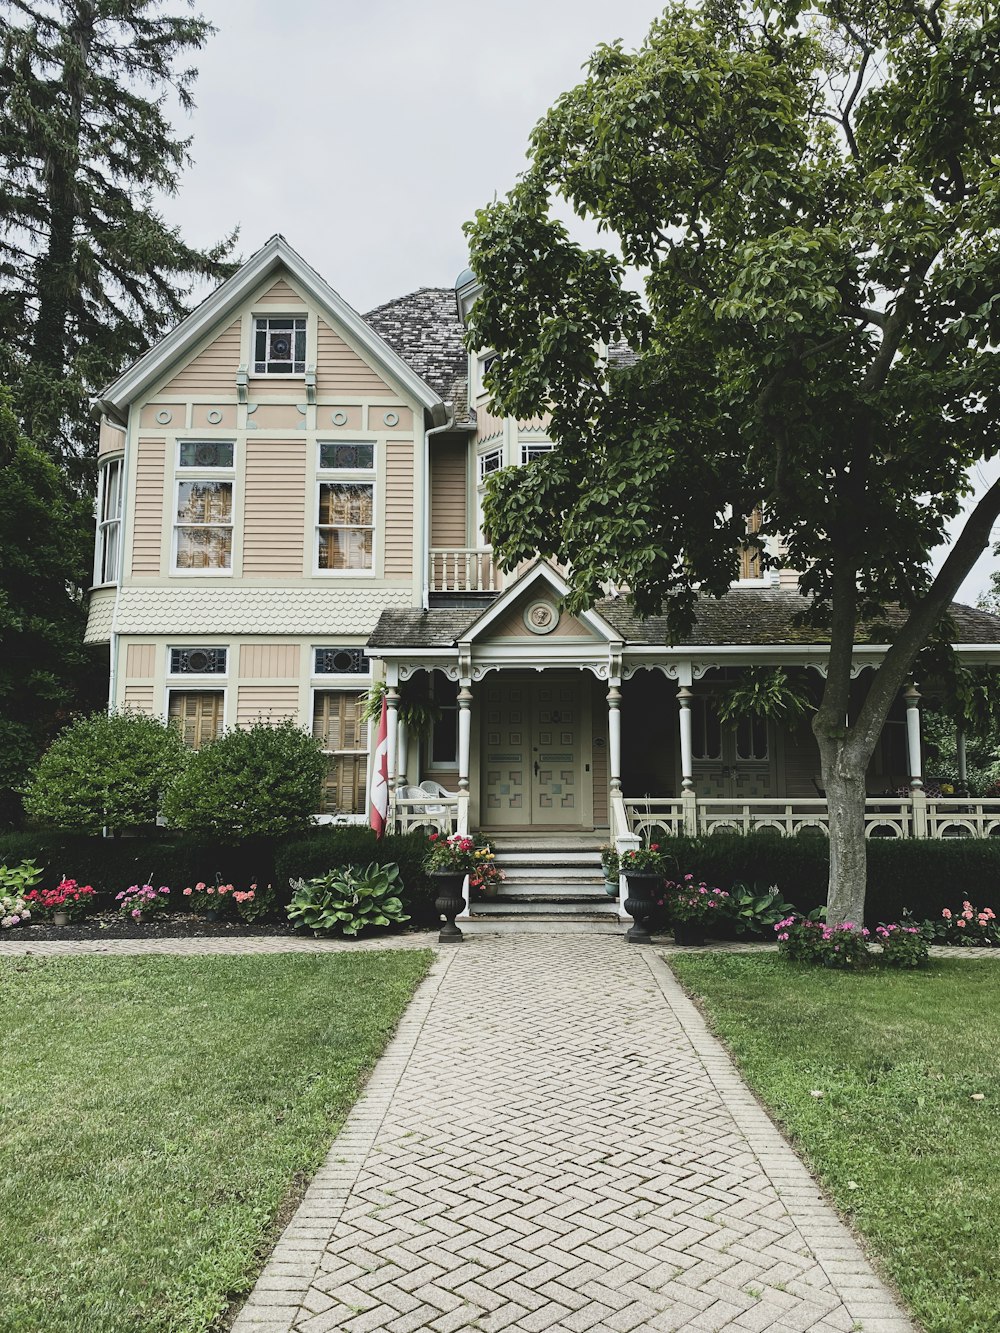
(90, 273)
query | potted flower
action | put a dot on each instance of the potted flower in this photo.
(208, 900)
(140, 902)
(693, 907)
(255, 903)
(448, 861)
(485, 877)
(643, 870)
(67, 902)
(610, 867)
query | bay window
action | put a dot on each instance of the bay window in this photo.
(109, 522)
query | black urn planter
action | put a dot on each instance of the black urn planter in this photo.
(448, 902)
(641, 904)
(689, 933)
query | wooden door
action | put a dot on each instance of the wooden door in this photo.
(532, 751)
(506, 751)
(556, 789)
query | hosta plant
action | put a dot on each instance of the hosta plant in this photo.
(756, 913)
(15, 883)
(348, 899)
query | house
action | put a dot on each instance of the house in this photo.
(289, 510)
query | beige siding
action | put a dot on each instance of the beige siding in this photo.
(327, 427)
(512, 626)
(487, 424)
(200, 413)
(599, 755)
(340, 370)
(214, 369)
(110, 439)
(279, 294)
(449, 474)
(398, 509)
(147, 527)
(139, 698)
(140, 661)
(399, 419)
(274, 416)
(173, 415)
(266, 703)
(274, 520)
(269, 660)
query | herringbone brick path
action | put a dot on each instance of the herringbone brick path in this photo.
(553, 1141)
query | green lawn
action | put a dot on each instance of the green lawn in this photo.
(896, 1138)
(155, 1113)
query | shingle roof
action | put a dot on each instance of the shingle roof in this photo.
(757, 618)
(425, 330)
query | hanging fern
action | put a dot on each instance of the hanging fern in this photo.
(417, 710)
(766, 692)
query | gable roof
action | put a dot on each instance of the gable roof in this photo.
(425, 330)
(224, 301)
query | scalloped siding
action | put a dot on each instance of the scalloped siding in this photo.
(100, 613)
(320, 611)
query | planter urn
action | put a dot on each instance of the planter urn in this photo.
(449, 900)
(641, 904)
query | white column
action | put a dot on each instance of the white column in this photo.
(912, 696)
(464, 750)
(615, 734)
(963, 769)
(684, 697)
(392, 732)
(402, 752)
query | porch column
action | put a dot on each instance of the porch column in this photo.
(402, 753)
(918, 797)
(963, 768)
(464, 750)
(392, 732)
(615, 735)
(688, 799)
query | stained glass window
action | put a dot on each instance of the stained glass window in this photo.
(279, 345)
(206, 453)
(360, 457)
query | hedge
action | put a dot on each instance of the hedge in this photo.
(329, 848)
(921, 875)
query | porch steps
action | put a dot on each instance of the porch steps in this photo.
(553, 882)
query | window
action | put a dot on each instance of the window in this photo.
(536, 449)
(338, 727)
(491, 461)
(203, 526)
(444, 730)
(341, 662)
(109, 522)
(345, 533)
(706, 731)
(751, 738)
(198, 714)
(279, 345)
(750, 562)
(198, 661)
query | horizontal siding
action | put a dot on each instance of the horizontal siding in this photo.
(266, 703)
(147, 527)
(270, 660)
(274, 516)
(214, 369)
(449, 474)
(140, 660)
(279, 294)
(110, 439)
(398, 509)
(139, 698)
(340, 370)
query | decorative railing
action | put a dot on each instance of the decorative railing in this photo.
(463, 569)
(885, 816)
(439, 813)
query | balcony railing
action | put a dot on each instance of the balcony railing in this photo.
(885, 816)
(463, 569)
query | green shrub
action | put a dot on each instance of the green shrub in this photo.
(261, 781)
(109, 770)
(348, 900)
(330, 848)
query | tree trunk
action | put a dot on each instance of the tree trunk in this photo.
(844, 782)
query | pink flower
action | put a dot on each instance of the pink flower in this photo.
(187, 893)
(136, 913)
(946, 913)
(200, 886)
(960, 922)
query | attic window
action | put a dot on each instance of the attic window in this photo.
(279, 345)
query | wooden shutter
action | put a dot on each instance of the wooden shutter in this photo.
(337, 723)
(198, 713)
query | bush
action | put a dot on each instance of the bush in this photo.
(902, 946)
(348, 899)
(109, 770)
(252, 782)
(334, 848)
(811, 940)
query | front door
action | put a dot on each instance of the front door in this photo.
(732, 760)
(532, 752)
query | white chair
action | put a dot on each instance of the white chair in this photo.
(431, 788)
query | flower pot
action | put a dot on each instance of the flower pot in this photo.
(611, 887)
(689, 934)
(489, 890)
(60, 918)
(641, 903)
(449, 900)
(211, 915)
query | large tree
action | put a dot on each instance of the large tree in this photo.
(810, 196)
(90, 273)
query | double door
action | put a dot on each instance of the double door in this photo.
(534, 769)
(731, 760)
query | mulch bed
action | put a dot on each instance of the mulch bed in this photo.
(111, 926)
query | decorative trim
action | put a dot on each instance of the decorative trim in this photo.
(213, 417)
(540, 617)
(339, 418)
(391, 419)
(164, 417)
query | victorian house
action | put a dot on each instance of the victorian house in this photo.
(290, 510)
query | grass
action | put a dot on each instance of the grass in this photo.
(155, 1115)
(896, 1138)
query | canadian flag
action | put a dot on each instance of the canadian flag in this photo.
(378, 807)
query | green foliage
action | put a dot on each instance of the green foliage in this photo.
(756, 913)
(417, 710)
(329, 847)
(105, 771)
(90, 273)
(348, 900)
(808, 939)
(18, 879)
(982, 754)
(902, 945)
(766, 692)
(44, 666)
(261, 781)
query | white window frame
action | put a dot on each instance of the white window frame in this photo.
(225, 475)
(259, 317)
(492, 455)
(350, 477)
(537, 447)
(105, 525)
(483, 361)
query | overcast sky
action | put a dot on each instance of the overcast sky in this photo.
(369, 132)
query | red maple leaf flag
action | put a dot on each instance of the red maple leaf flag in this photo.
(378, 808)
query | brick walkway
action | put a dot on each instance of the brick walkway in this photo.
(553, 1141)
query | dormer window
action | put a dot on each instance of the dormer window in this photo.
(279, 345)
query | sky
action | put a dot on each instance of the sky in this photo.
(368, 132)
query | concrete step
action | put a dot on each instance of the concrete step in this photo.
(547, 889)
(541, 926)
(552, 874)
(556, 859)
(546, 907)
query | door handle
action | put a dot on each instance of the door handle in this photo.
(536, 768)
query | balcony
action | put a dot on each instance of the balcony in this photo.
(457, 573)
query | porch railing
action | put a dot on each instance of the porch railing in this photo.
(885, 816)
(463, 569)
(439, 813)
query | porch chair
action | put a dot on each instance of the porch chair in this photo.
(431, 788)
